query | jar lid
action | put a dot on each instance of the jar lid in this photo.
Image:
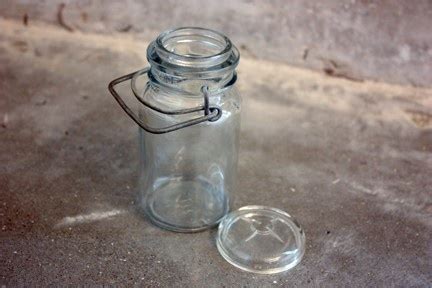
(261, 239)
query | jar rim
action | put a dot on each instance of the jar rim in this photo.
(213, 50)
(191, 31)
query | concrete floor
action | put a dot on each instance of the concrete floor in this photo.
(352, 161)
(392, 38)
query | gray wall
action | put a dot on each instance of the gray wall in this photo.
(380, 40)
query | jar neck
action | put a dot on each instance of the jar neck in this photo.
(189, 58)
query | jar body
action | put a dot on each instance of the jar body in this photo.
(189, 128)
(188, 173)
(188, 176)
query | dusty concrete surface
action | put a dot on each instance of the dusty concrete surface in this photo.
(380, 40)
(351, 161)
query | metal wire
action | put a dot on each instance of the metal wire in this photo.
(211, 113)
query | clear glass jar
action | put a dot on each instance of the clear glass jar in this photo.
(189, 129)
(188, 174)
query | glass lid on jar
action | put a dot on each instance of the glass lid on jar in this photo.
(261, 239)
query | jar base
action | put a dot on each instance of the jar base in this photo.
(186, 205)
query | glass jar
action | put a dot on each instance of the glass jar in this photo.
(189, 128)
